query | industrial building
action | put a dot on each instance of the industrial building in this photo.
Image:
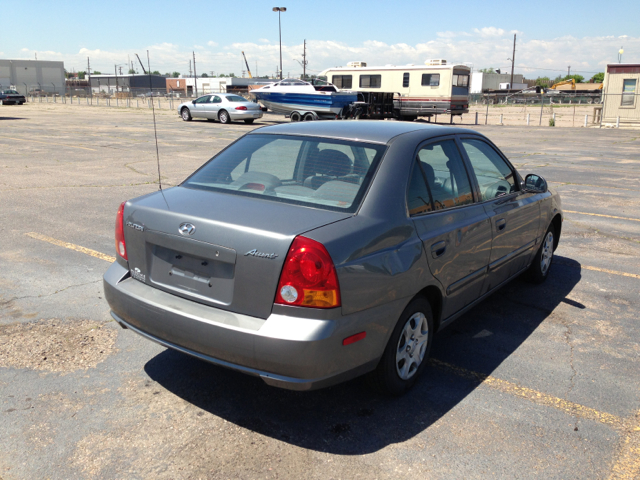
(186, 87)
(129, 84)
(481, 82)
(33, 76)
(621, 88)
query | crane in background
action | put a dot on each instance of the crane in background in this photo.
(247, 64)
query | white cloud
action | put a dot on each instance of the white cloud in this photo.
(263, 40)
(485, 47)
(211, 43)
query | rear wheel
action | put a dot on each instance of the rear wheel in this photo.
(309, 117)
(249, 121)
(406, 354)
(539, 269)
(185, 114)
(295, 117)
(224, 117)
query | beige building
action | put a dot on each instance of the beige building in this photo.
(622, 95)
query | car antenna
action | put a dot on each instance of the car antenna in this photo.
(155, 131)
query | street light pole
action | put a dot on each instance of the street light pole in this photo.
(280, 9)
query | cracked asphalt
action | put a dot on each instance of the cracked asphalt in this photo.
(535, 382)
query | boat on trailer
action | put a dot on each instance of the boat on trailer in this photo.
(304, 100)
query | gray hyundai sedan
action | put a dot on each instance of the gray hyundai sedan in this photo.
(311, 253)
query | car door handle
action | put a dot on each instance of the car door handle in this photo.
(438, 249)
(500, 224)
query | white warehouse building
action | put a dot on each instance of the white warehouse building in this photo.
(32, 75)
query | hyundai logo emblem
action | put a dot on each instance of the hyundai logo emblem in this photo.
(187, 228)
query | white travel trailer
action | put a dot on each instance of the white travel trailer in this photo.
(419, 90)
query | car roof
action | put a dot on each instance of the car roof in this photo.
(376, 131)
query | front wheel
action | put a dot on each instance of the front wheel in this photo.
(249, 121)
(539, 269)
(224, 117)
(406, 354)
(185, 114)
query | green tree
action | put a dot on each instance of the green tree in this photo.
(131, 71)
(175, 74)
(598, 77)
(577, 78)
(487, 70)
(81, 75)
(204, 75)
(543, 82)
(232, 74)
(167, 74)
(155, 72)
(97, 72)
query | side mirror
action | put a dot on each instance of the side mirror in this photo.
(193, 101)
(535, 183)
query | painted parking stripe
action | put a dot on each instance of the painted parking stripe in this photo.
(596, 269)
(602, 215)
(71, 246)
(534, 396)
(48, 143)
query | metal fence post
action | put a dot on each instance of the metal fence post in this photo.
(618, 121)
(586, 119)
(486, 115)
(554, 118)
(501, 119)
(528, 119)
(137, 104)
(476, 116)
(541, 109)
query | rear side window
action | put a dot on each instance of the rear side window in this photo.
(236, 98)
(495, 177)
(405, 79)
(320, 172)
(442, 176)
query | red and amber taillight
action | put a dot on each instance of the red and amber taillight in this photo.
(308, 276)
(241, 107)
(121, 246)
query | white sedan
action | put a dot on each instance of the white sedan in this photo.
(225, 107)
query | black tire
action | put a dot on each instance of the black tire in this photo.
(223, 117)
(249, 121)
(210, 120)
(295, 117)
(386, 378)
(186, 114)
(308, 117)
(541, 265)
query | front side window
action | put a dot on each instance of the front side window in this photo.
(342, 81)
(442, 179)
(405, 79)
(430, 79)
(204, 99)
(495, 177)
(314, 171)
(628, 91)
(370, 81)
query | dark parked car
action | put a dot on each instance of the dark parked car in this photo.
(11, 97)
(311, 253)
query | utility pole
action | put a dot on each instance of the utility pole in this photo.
(194, 72)
(115, 67)
(89, 77)
(513, 60)
(304, 60)
(190, 74)
(568, 70)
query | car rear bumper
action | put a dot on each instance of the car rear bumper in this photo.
(285, 351)
(236, 115)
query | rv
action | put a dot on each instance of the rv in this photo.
(419, 90)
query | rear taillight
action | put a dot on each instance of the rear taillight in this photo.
(308, 276)
(121, 246)
(241, 108)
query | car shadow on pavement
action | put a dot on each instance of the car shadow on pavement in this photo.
(350, 419)
(12, 118)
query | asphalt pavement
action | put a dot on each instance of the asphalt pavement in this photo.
(535, 382)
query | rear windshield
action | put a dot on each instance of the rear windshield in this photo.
(320, 172)
(236, 98)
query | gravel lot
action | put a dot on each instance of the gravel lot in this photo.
(535, 382)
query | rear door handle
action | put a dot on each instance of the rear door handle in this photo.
(500, 224)
(438, 249)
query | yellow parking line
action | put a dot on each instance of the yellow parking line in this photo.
(602, 215)
(534, 396)
(48, 143)
(627, 465)
(71, 246)
(597, 269)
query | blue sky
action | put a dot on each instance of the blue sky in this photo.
(551, 36)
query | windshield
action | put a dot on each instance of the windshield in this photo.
(10, 92)
(236, 98)
(320, 172)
